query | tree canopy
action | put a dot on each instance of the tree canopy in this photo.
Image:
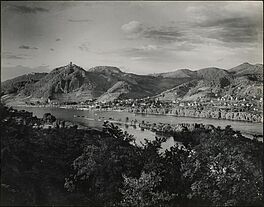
(70, 166)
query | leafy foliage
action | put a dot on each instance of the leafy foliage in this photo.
(227, 171)
(143, 191)
(70, 166)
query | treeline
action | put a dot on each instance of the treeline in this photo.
(70, 166)
(202, 113)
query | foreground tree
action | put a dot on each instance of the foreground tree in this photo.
(225, 170)
(98, 170)
(217, 167)
(143, 192)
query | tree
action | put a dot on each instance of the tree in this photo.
(225, 170)
(142, 192)
(48, 118)
(98, 170)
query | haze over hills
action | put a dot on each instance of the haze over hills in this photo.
(71, 83)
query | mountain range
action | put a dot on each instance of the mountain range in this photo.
(71, 83)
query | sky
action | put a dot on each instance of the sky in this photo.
(138, 37)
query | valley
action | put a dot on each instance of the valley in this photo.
(234, 94)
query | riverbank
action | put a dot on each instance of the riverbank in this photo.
(191, 113)
(95, 119)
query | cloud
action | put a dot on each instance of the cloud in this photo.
(163, 34)
(135, 29)
(9, 55)
(146, 53)
(79, 20)
(223, 24)
(14, 57)
(160, 50)
(84, 47)
(26, 47)
(185, 46)
(234, 30)
(62, 5)
(149, 47)
(26, 9)
(232, 24)
(132, 28)
(58, 39)
(154, 52)
(138, 58)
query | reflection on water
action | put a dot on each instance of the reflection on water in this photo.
(96, 119)
(141, 135)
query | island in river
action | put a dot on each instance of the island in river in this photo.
(96, 118)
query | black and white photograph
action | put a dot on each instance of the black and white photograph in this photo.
(131, 103)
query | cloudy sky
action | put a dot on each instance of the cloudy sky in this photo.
(138, 37)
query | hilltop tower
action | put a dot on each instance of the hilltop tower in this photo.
(70, 64)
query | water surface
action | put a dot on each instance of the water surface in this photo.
(96, 118)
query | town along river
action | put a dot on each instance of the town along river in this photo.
(95, 119)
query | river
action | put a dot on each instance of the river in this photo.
(96, 118)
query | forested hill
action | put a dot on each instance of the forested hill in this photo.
(71, 83)
(69, 166)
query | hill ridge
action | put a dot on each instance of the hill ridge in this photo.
(72, 83)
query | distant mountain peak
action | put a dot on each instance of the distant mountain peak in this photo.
(68, 68)
(247, 68)
(246, 63)
(180, 73)
(71, 83)
(106, 69)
